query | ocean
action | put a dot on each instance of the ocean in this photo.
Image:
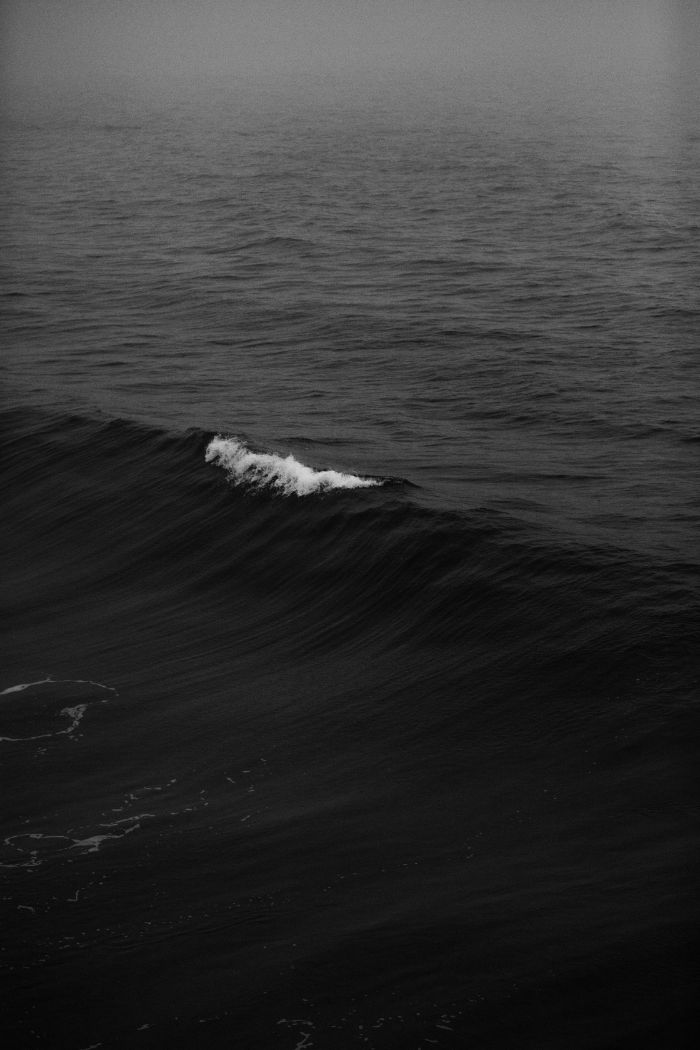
(351, 566)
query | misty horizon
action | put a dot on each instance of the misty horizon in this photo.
(75, 40)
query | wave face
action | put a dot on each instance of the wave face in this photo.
(401, 735)
(286, 474)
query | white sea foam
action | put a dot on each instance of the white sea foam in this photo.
(75, 712)
(31, 849)
(284, 473)
(56, 681)
(24, 685)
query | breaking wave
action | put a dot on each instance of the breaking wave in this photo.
(265, 470)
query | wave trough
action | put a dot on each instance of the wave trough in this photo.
(285, 474)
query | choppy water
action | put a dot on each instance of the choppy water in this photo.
(350, 559)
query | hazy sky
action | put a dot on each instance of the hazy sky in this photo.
(64, 38)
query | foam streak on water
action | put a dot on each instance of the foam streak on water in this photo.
(42, 705)
(284, 474)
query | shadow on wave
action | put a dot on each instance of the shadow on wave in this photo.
(118, 508)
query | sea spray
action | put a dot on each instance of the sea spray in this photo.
(285, 474)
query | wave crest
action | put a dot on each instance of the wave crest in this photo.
(285, 474)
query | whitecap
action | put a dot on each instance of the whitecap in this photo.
(282, 473)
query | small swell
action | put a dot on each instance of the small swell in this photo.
(284, 474)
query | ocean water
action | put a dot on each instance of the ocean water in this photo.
(350, 559)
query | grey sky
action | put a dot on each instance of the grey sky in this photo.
(65, 38)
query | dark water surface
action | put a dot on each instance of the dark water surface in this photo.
(401, 755)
